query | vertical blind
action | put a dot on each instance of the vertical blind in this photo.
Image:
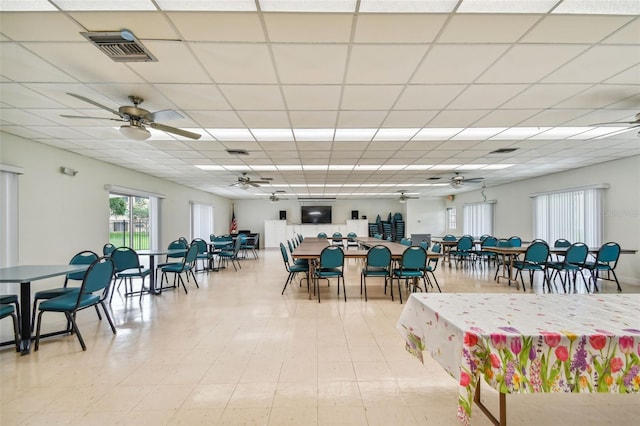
(201, 221)
(575, 215)
(478, 219)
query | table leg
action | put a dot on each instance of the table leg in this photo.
(25, 318)
(485, 410)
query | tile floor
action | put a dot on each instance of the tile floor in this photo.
(236, 352)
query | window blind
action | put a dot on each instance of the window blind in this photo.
(478, 219)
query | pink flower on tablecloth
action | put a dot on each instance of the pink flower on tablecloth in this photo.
(495, 361)
(470, 339)
(616, 364)
(626, 344)
(516, 345)
(597, 341)
(551, 339)
(465, 379)
(562, 353)
(499, 341)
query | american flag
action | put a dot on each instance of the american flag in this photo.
(234, 225)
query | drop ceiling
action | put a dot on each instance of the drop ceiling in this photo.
(346, 99)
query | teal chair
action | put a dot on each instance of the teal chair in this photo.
(405, 241)
(449, 237)
(336, 239)
(171, 257)
(107, 249)
(501, 262)
(535, 259)
(12, 299)
(322, 235)
(412, 267)
(93, 291)
(351, 240)
(296, 261)
(86, 257)
(203, 253)
(515, 241)
(7, 310)
(186, 267)
(489, 255)
(231, 254)
(128, 267)
(293, 269)
(463, 251)
(432, 264)
(378, 264)
(606, 261)
(331, 265)
(377, 236)
(249, 244)
(572, 262)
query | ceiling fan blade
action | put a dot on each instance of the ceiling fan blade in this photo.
(175, 130)
(99, 105)
(254, 184)
(261, 181)
(474, 180)
(164, 115)
(92, 118)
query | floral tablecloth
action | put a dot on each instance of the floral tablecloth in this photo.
(528, 343)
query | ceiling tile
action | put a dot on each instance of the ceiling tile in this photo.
(218, 26)
(600, 96)
(28, 27)
(544, 95)
(193, 96)
(596, 64)
(253, 97)
(428, 96)
(456, 118)
(20, 64)
(366, 119)
(505, 118)
(584, 29)
(486, 96)
(265, 119)
(308, 27)
(383, 64)
(481, 28)
(176, 64)
(407, 118)
(628, 76)
(456, 63)
(629, 34)
(529, 63)
(310, 63)
(144, 25)
(369, 97)
(215, 119)
(311, 119)
(236, 63)
(312, 97)
(398, 28)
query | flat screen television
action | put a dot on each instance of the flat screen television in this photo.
(316, 214)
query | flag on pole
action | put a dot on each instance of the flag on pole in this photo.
(234, 226)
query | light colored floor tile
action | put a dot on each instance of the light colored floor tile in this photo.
(237, 352)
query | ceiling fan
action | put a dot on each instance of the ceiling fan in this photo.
(403, 197)
(630, 124)
(137, 118)
(245, 181)
(274, 198)
(458, 180)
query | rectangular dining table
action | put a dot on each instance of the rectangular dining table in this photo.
(25, 275)
(152, 264)
(580, 343)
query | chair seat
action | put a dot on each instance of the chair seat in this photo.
(565, 266)
(407, 273)
(329, 272)
(375, 272)
(55, 292)
(176, 267)
(163, 264)
(68, 301)
(6, 310)
(598, 266)
(133, 272)
(298, 268)
(519, 264)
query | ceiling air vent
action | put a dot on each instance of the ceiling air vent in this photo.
(237, 151)
(121, 46)
(503, 150)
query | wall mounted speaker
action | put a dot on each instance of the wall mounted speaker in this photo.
(354, 214)
(283, 215)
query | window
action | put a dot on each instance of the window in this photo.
(129, 223)
(576, 215)
(201, 221)
(478, 219)
(451, 218)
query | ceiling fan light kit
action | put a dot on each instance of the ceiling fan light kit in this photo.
(134, 132)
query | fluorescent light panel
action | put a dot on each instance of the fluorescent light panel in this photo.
(308, 5)
(419, 167)
(478, 133)
(506, 6)
(560, 132)
(354, 134)
(395, 134)
(265, 135)
(209, 5)
(407, 6)
(210, 167)
(599, 7)
(436, 134)
(231, 135)
(515, 133)
(25, 6)
(393, 167)
(314, 134)
(105, 4)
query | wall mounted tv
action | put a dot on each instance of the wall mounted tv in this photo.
(316, 214)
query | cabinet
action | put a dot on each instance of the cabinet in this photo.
(275, 232)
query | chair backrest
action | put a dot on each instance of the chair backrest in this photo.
(192, 254)
(576, 254)
(609, 253)
(515, 241)
(337, 237)
(379, 257)
(484, 237)
(561, 242)
(322, 235)
(176, 245)
(200, 244)
(377, 236)
(424, 244)
(107, 249)
(537, 252)
(86, 257)
(352, 235)
(125, 258)
(184, 240)
(290, 246)
(504, 243)
(437, 248)
(465, 243)
(300, 237)
(242, 237)
(489, 242)
(98, 276)
(449, 237)
(414, 257)
(212, 237)
(285, 257)
(405, 241)
(331, 257)
(237, 246)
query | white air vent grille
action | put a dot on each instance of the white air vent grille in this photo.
(118, 48)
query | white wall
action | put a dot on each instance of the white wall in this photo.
(514, 212)
(60, 215)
